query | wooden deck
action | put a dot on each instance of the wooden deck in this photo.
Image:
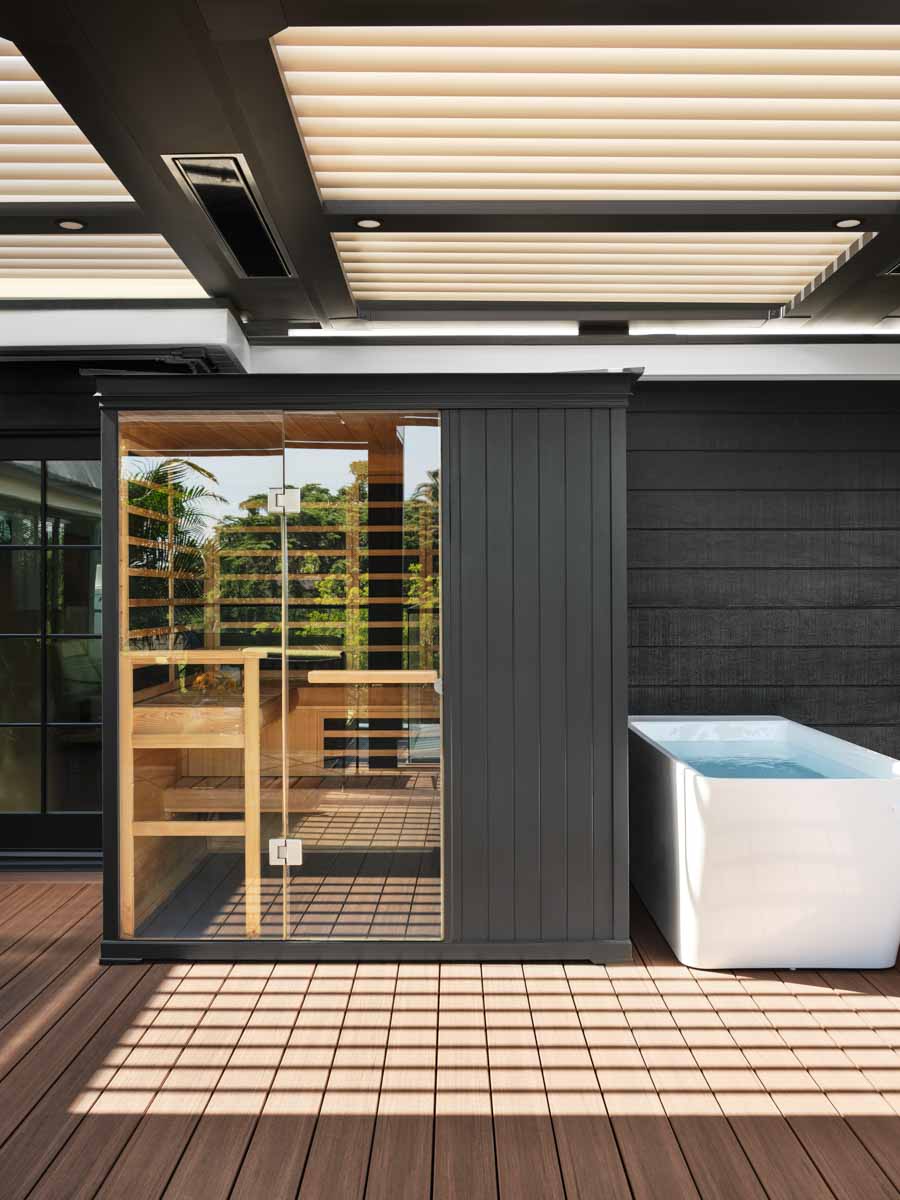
(477, 1082)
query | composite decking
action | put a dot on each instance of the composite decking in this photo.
(479, 1082)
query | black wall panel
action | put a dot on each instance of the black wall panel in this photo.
(764, 553)
(536, 673)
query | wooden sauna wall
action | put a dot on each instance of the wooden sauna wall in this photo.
(160, 863)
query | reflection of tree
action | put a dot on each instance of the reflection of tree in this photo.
(167, 526)
(431, 490)
(223, 577)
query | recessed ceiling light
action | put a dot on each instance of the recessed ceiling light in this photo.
(848, 223)
(70, 224)
(368, 223)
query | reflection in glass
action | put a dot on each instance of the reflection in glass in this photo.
(74, 590)
(73, 769)
(341, 580)
(74, 667)
(20, 769)
(20, 673)
(20, 503)
(20, 591)
(73, 502)
(177, 564)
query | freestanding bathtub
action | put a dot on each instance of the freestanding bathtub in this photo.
(757, 842)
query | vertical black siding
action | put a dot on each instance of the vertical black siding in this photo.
(529, 673)
(764, 554)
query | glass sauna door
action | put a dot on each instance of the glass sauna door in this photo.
(363, 652)
(280, 757)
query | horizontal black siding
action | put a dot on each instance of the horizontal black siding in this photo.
(764, 554)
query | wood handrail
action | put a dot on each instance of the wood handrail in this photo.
(372, 676)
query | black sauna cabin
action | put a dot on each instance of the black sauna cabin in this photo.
(364, 651)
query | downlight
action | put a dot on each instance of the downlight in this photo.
(70, 224)
(848, 223)
(221, 184)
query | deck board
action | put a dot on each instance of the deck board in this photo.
(458, 1082)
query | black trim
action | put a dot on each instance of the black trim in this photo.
(97, 216)
(109, 459)
(523, 310)
(594, 216)
(56, 860)
(116, 950)
(589, 389)
(238, 20)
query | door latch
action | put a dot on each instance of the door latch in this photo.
(285, 852)
(283, 500)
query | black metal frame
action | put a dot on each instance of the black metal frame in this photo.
(373, 393)
(233, 99)
(24, 836)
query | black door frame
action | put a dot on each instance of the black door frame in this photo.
(445, 394)
(25, 838)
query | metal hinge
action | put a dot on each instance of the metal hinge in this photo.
(283, 500)
(285, 851)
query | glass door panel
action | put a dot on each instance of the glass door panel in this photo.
(362, 591)
(280, 710)
(202, 701)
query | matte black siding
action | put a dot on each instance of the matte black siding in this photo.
(535, 549)
(764, 553)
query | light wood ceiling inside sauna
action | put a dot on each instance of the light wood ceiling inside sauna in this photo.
(260, 433)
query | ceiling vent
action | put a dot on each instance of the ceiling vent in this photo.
(223, 187)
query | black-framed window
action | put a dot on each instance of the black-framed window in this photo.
(50, 635)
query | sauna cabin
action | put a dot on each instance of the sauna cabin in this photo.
(341, 633)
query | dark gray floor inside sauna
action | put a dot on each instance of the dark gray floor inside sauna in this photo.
(341, 894)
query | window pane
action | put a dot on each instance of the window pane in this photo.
(73, 769)
(73, 591)
(20, 770)
(20, 503)
(73, 679)
(20, 671)
(20, 591)
(73, 502)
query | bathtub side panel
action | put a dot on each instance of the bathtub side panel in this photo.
(793, 873)
(656, 835)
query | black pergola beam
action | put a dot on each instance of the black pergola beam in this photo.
(97, 216)
(437, 216)
(561, 12)
(478, 310)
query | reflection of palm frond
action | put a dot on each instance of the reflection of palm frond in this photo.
(430, 490)
(187, 492)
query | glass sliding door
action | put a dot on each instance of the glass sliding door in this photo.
(280, 752)
(50, 641)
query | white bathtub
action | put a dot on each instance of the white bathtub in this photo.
(750, 871)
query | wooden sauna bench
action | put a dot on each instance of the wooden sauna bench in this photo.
(316, 696)
(306, 793)
(184, 715)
